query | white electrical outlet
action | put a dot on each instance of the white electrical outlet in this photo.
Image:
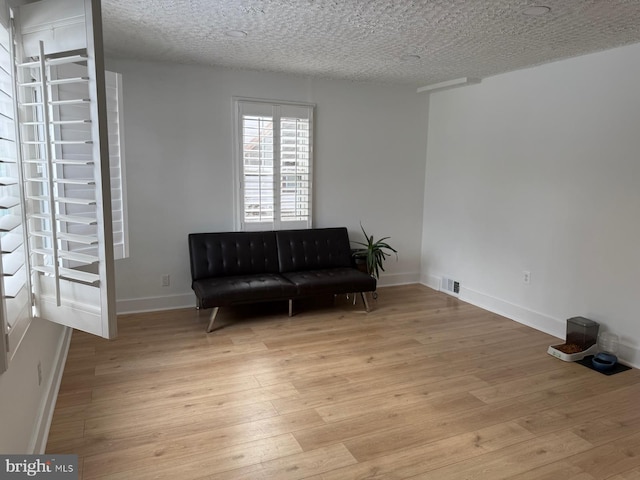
(166, 280)
(526, 276)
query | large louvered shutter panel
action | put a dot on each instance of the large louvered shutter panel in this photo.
(65, 164)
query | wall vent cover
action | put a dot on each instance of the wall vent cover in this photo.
(450, 286)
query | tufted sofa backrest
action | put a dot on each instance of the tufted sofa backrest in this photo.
(232, 253)
(313, 249)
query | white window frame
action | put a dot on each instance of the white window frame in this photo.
(276, 108)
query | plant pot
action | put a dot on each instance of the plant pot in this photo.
(361, 264)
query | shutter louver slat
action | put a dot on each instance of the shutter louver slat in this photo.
(77, 219)
(83, 239)
(76, 257)
(9, 202)
(6, 181)
(12, 262)
(70, 274)
(9, 222)
(13, 285)
(11, 242)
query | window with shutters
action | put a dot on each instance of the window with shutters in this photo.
(57, 159)
(274, 164)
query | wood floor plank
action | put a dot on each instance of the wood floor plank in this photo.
(429, 426)
(293, 467)
(633, 474)
(512, 460)
(198, 412)
(617, 457)
(160, 359)
(554, 471)
(414, 461)
(397, 397)
(384, 423)
(526, 385)
(194, 465)
(568, 416)
(222, 435)
(423, 386)
(326, 395)
(180, 397)
(197, 444)
(610, 427)
(149, 386)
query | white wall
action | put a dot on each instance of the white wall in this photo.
(27, 406)
(369, 166)
(538, 170)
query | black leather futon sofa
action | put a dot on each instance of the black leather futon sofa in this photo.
(232, 268)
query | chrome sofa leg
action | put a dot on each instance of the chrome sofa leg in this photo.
(212, 319)
(364, 299)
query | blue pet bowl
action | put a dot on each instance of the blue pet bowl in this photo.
(604, 361)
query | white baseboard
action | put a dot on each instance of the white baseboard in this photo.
(152, 304)
(40, 434)
(430, 281)
(531, 318)
(392, 279)
(629, 354)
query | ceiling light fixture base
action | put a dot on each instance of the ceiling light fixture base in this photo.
(458, 82)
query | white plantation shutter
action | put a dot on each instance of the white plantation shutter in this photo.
(56, 172)
(274, 153)
(66, 167)
(15, 297)
(75, 125)
(115, 128)
(258, 167)
(295, 165)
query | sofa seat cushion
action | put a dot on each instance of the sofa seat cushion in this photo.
(223, 291)
(331, 281)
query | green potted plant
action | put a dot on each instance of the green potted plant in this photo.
(373, 253)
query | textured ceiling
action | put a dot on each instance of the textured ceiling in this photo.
(367, 39)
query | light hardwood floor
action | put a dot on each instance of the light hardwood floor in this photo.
(424, 386)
